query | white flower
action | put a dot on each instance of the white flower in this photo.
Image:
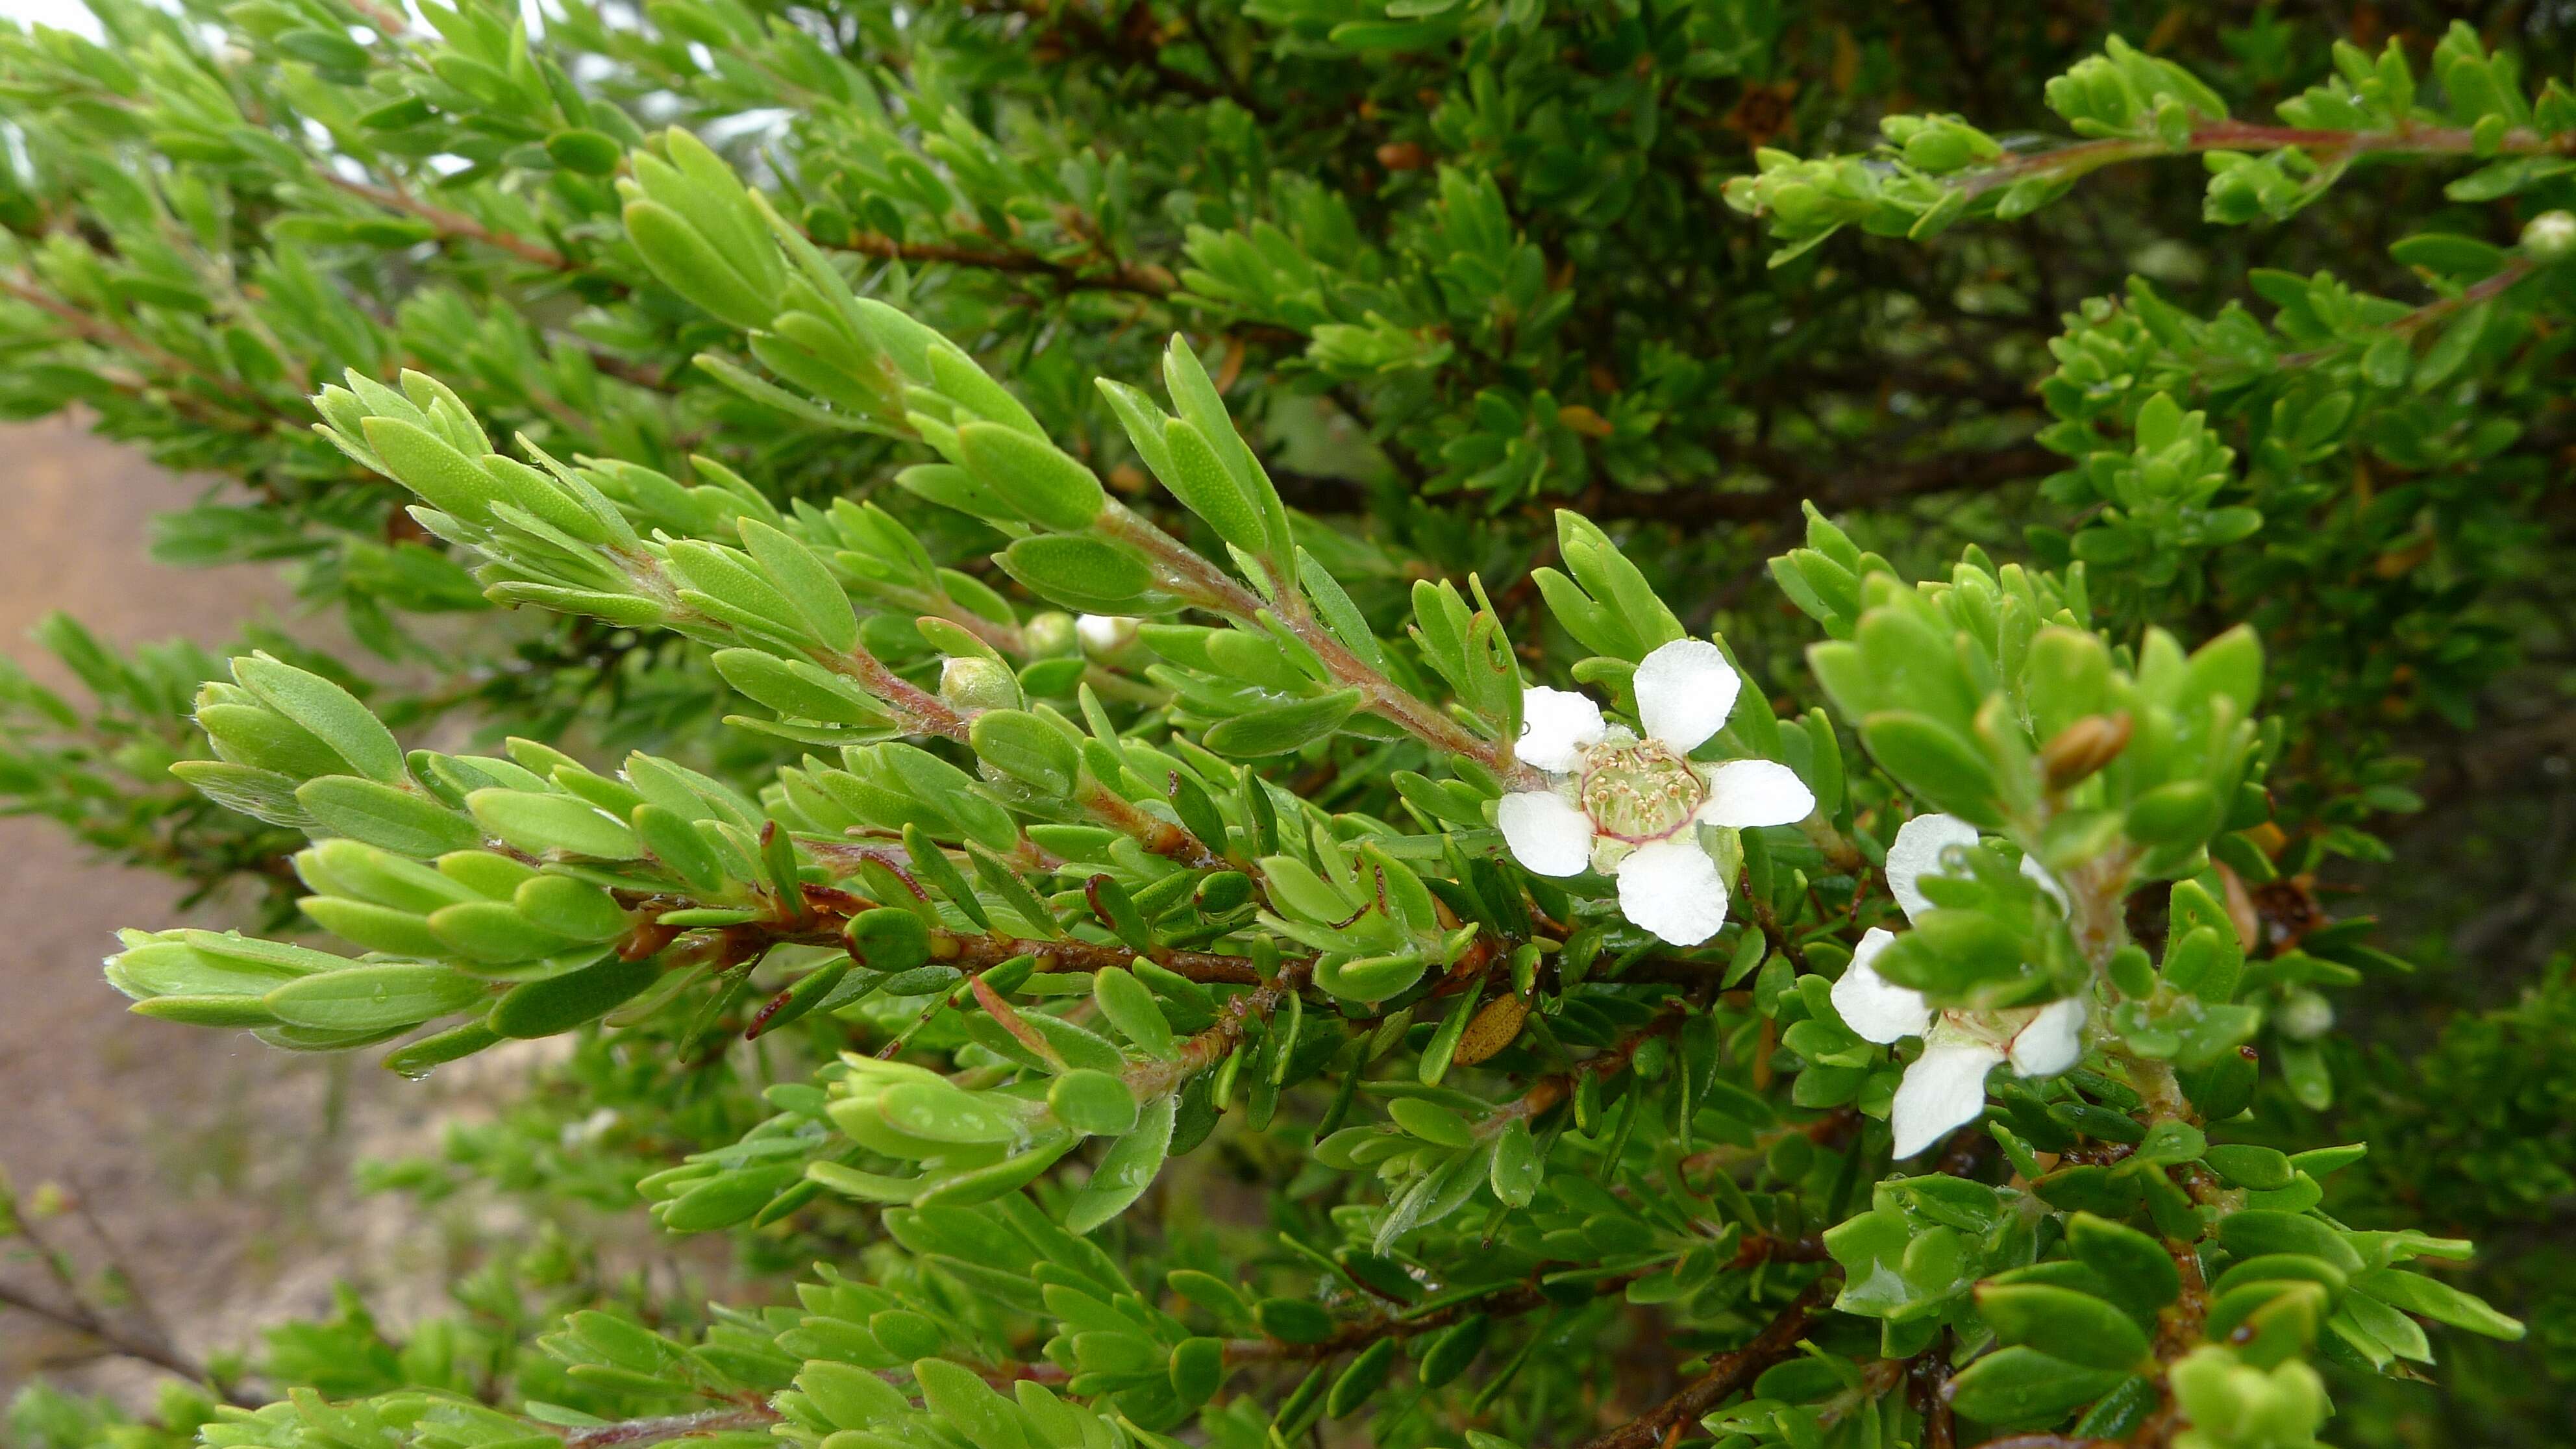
(1946, 1086)
(1630, 807)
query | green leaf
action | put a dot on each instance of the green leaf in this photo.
(2258, 1231)
(1200, 480)
(2140, 1273)
(333, 715)
(431, 467)
(557, 1004)
(937, 1112)
(2183, 813)
(208, 1011)
(2448, 253)
(1454, 1349)
(417, 1059)
(960, 1396)
(1282, 728)
(799, 689)
(850, 1396)
(1365, 1375)
(493, 932)
(2452, 349)
(2439, 1301)
(591, 153)
(689, 265)
(260, 794)
(2170, 1144)
(1126, 1169)
(1935, 762)
(2021, 1385)
(1197, 1370)
(561, 824)
(1027, 749)
(1517, 1170)
(2263, 1169)
(1129, 1006)
(403, 821)
(574, 909)
(795, 572)
(1433, 1123)
(375, 997)
(676, 843)
(1293, 1320)
(1080, 573)
(1096, 1103)
(1371, 978)
(1036, 477)
(377, 928)
(2076, 1327)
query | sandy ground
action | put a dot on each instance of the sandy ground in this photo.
(216, 1169)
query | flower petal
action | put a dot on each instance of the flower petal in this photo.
(1877, 1008)
(2048, 885)
(1944, 1089)
(1747, 793)
(1546, 834)
(1555, 723)
(1685, 690)
(1672, 888)
(1917, 853)
(2052, 1042)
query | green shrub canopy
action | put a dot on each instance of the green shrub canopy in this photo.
(1440, 723)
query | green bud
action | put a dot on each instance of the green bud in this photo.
(1050, 634)
(889, 938)
(2550, 236)
(972, 684)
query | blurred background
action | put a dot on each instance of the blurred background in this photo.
(214, 1171)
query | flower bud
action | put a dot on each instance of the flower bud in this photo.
(1104, 634)
(2550, 236)
(2084, 747)
(975, 683)
(2306, 1016)
(1050, 634)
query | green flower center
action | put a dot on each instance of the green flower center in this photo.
(1639, 791)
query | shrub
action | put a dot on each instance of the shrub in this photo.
(1123, 689)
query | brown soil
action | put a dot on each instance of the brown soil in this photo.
(212, 1169)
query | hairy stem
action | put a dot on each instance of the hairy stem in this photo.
(1209, 587)
(2081, 158)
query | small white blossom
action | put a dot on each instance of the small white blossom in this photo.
(1945, 1088)
(1630, 807)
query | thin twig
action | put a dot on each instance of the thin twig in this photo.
(453, 224)
(86, 1321)
(1726, 1374)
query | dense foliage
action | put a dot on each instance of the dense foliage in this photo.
(1231, 722)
